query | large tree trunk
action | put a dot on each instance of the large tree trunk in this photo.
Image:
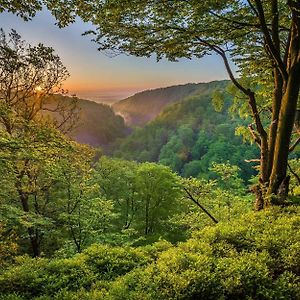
(273, 185)
(33, 234)
(274, 182)
(278, 176)
(279, 182)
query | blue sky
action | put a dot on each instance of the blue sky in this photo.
(95, 75)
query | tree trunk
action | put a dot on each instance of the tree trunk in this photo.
(147, 206)
(34, 240)
(279, 182)
(274, 182)
(276, 104)
(33, 234)
(259, 203)
(278, 176)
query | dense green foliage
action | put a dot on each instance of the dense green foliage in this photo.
(190, 135)
(144, 195)
(254, 256)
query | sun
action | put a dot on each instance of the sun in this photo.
(38, 89)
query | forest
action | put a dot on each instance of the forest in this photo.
(192, 196)
(190, 135)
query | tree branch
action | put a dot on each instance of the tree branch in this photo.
(252, 8)
(200, 206)
(292, 148)
(258, 123)
(294, 173)
(222, 53)
(252, 160)
(275, 52)
(255, 137)
(238, 24)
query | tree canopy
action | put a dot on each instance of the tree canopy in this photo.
(31, 147)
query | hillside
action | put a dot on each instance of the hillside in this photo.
(98, 125)
(189, 136)
(145, 106)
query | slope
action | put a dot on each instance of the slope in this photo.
(97, 123)
(145, 106)
(189, 136)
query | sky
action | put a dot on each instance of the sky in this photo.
(94, 75)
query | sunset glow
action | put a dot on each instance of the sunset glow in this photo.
(93, 73)
(38, 89)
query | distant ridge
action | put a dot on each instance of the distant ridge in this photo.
(145, 106)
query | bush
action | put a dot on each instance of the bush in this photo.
(253, 257)
(110, 262)
(96, 266)
(35, 277)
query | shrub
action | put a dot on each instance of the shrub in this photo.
(253, 257)
(110, 262)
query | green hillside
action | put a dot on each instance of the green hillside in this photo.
(145, 106)
(189, 136)
(97, 125)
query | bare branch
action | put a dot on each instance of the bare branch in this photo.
(200, 206)
(252, 160)
(296, 143)
(294, 173)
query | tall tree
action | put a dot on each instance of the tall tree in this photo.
(158, 191)
(84, 214)
(116, 179)
(30, 143)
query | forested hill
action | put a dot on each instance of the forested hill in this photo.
(145, 106)
(98, 125)
(190, 135)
